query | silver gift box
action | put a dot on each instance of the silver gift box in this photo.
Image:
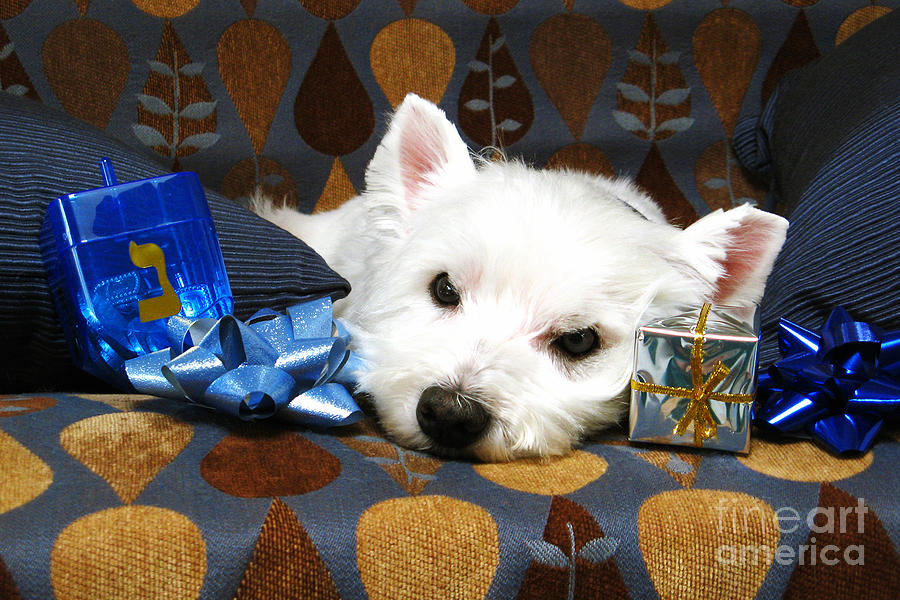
(664, 350)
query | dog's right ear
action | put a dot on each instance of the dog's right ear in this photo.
(420, 150)
(733, 252)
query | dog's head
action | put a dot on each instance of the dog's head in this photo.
(500, 301)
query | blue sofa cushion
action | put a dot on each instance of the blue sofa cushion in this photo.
(829, 141)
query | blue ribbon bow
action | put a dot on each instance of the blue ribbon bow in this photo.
(291, 366)
(838, 386)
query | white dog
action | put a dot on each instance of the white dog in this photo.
(496, 304)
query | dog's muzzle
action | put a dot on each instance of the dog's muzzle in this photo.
(449, 418)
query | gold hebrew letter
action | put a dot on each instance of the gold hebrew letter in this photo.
(158, 307)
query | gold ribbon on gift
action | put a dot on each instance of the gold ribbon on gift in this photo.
(701, 391)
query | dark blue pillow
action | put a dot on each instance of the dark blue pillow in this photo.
(829, 140)
(45, 154)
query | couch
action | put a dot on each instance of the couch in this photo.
(790, 105)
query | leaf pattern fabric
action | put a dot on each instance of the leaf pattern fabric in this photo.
(13, 77)
(285, 562)
(495, 108)
(292, 97)
(254, 63)
(841, 545)
(573, 559)
(123, 496)
(332, 123)
(135, 497)
(579, 42)
(654, 100)
(411, 469)
(176, 114)
(86, 52)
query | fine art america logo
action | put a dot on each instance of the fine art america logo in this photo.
(820, 520)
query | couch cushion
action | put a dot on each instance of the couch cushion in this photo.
(829, 139)
(114, 496)
(46, 154)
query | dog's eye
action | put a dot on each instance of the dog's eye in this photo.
(442, 291)
(577, 344)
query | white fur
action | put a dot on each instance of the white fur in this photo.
(534, 254)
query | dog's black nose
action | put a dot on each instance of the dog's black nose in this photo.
(449, 418)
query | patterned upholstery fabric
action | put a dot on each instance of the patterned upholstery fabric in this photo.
(130, 497)
(133, 497)
(293, 95)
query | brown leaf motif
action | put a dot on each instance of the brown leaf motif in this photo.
(23, 475)
(801, 460)
(546, 476)
(655, 179)
(653, 98)
(11, 8)
(254, 64)
(330, 9)
(491, 7)
(127, 449)
(13, 406)
(645, 4)
(168, 9)
(570, 55)
(260, 173)
(573, 559)
(13, 78)
(285, 562)
(427, 547)
(680, 466)
(412, 470)
(412, 55)
(798, 49)
(333, 112)
(257, 461)
(721, 180)
(727, 44)
(495, 108)
(85, 50)
(176, 114)
(800, 3)
(857, 20)
(7, 585)
(408, 6)
(338, 189)
(128, 552)
(848, 554)
(686, 541)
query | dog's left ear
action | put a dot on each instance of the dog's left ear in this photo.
(734, 251)
(421, 149)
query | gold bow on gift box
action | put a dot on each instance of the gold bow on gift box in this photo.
(701, 391)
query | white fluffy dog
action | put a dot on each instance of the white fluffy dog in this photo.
(496, 304)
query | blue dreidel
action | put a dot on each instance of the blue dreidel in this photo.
(123, 259)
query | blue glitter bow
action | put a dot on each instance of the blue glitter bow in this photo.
(837, 386)
(290, 366)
